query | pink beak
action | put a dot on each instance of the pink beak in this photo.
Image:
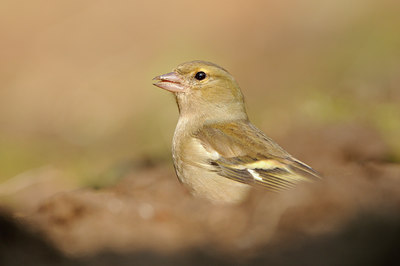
(170, 82)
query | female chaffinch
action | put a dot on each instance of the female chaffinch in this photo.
(217, 152)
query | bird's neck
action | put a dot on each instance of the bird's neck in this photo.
(196, 113)
(191, 119)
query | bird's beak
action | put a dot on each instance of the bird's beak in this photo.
(170, 82)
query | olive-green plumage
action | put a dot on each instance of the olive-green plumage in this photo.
(217, 152)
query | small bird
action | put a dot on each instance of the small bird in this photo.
(217, 152)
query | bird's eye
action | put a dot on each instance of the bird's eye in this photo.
(200, 75)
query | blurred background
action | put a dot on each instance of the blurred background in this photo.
(78, 109)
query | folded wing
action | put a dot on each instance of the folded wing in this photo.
(247, 155)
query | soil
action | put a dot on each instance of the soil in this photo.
(351, 217)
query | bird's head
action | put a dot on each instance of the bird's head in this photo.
(204, 89)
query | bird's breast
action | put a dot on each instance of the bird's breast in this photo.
(193, 168)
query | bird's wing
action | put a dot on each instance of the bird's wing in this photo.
(247, 155)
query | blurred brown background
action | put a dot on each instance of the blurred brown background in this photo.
(78, 109)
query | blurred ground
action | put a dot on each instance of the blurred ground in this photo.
(85, 170)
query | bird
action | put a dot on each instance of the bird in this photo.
(217, 152)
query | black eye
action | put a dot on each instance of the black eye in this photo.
(200, 75)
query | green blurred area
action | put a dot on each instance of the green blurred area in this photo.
(76, 76)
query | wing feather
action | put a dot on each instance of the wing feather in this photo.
(248, 156)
